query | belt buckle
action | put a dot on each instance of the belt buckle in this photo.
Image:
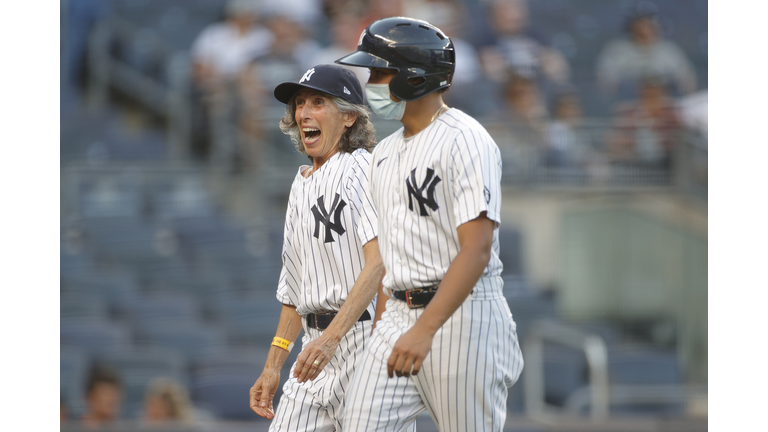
(323, 325)
(409, 300)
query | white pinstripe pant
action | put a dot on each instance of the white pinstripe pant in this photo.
(317, 405)
(463, 382)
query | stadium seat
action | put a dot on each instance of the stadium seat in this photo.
(205, 286)
(223, 370)
(127, 240)
(181, 197)
(232, 357)
(189, 338)
(116, 288)
(643, 367)
(249, 320)
(95, 337)
(223, 391)
(565, 371)
(162, 309)
(527, 307)
(109, 197)
(81, 306)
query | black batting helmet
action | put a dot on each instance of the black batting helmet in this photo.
(415, 48)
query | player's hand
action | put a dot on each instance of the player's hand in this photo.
(314, 357)
(262, 393)
(408, 353)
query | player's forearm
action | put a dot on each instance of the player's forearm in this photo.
(459, 280)
(361, 294)
(288, 328)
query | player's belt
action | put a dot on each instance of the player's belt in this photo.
(417, 297)
(322, 320)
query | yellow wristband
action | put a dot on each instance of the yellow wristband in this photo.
(282, 343)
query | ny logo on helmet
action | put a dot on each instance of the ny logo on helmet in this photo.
(321, 216)
(307, 75)
(429, 184)
(360, 41)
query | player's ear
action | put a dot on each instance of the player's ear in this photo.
(350, 118)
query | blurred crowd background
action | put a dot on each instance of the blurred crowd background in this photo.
(175, 177)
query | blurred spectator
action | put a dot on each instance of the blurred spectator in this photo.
(524, 105)
(224, 49)
(565, 146)
(646, 129)
(693, 110)
(220, 53)
(80, 17)
(378, 9)
(516, 47)
(467, 91)
(343, 27)
(518, 126)
(643, 52)
(290, 54)
(693, 113)
(104, 397)
(288, 57)
(167, 402)
(306, 13)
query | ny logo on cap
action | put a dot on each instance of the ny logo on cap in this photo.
(307, 75)
(346, 90)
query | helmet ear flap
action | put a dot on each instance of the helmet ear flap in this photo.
(402, 89)
(407, 91)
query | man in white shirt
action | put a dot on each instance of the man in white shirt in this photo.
(444, 339)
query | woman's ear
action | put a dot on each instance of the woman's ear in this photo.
(350, 119)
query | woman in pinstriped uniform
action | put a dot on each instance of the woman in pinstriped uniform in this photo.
(331, 264)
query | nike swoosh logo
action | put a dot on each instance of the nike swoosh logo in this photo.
(381, 160)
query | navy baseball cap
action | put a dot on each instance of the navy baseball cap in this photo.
(332, 79)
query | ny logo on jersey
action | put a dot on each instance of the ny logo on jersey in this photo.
(321, 216)
(429, 184)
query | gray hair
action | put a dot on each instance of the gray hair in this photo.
(360, 135)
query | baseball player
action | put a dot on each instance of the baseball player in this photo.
(331, 263)
(444, 339)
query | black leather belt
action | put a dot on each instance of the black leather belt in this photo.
(417, 297)
(322, 320)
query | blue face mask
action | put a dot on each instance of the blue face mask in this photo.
(382, 104)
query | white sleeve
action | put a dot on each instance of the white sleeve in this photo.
(358, 192)
(203, 44)
(476, 177)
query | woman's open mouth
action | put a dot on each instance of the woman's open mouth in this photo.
(311, 135)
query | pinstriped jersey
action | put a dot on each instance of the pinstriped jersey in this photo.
(424, 187)
(328, 220)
